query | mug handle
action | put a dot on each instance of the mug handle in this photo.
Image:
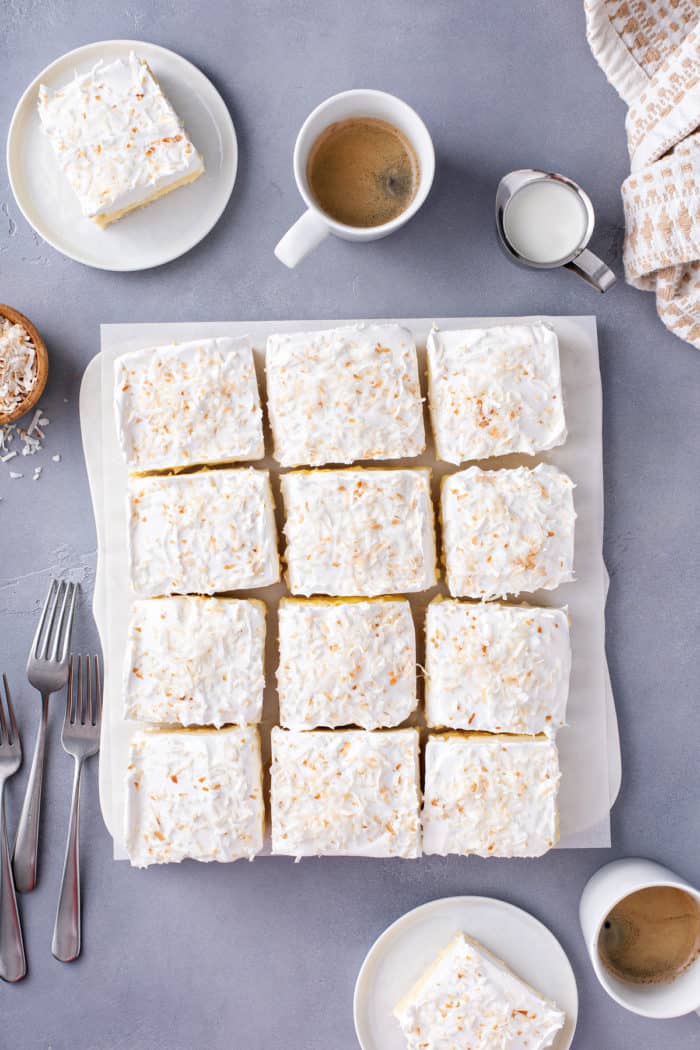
(593, 270)
(301, 238)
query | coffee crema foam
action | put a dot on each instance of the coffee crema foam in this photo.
(363, 172)
(651, 936)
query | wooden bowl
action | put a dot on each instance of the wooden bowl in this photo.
(42, 365)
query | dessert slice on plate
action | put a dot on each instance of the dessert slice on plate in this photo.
(195, 661)
(188, 404)
(469, 998)
(194, 793)
(345, 663)
(494, 391)
(202, 533)
(345, 793)
(359, 532)
(495, 796)
(344, 395)
(117, 139)
(496, 668)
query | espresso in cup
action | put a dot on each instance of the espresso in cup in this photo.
(363, 172)
(651, 936)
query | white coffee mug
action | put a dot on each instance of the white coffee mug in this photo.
(314, 225)
(603, 891)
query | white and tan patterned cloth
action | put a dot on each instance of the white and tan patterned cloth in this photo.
(650, 52)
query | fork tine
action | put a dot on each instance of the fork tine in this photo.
(50, 597)
(69, 623)
(79, 712)
(98, 692)
(11, 710)
(4, 735)
(43, 653)
(88, 712)
(69, 692)
(61, 634)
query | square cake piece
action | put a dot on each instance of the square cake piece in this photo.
(344, 395)
(346, 663)
(202, 533)
(359, 532)
(188, 404)
(496, 668)
(467, 998)
(194, 793)
(495, 796)
(117, 139)
(345, 793)
(195, 661)
(507, 531)
(494, 391)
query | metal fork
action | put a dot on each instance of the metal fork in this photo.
(13, 965)
(47, 670)
(81, 739)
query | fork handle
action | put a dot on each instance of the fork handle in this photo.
(13, 965)
(24, 860)
(65, 945)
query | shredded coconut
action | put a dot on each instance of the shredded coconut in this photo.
(18, 370)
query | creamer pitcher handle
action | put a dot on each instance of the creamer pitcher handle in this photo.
(593, 270)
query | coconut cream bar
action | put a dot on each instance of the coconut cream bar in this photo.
(359, 532)
(346, 663)
(194, 793)
(495, 796)
(494, 391)
(467, 998)
(117, 139)
(344, 395)
(496, 668)
(345, 793)
(201, 533)
(188, 404)
(195, 661)
(507, 531)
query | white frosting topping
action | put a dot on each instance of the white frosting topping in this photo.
(507, 531)
(495, 796)
(346, 663)
(344, 395)
(469, 1000)
(345, 793)
(195, 661)
(359, 532)
(116, 137)
(194, 794)
(202, 533)
(188, 404)
(496, 668)
(494, 391)
(18, 369)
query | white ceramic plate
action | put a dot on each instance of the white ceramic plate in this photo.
(150, 236)
(398, 958)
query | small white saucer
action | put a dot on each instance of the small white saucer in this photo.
(400, 955)
(157, 233)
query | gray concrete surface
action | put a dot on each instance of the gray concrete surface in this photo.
(255, 957)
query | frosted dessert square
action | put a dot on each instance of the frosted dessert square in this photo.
(344, 395)
(195, 661)
(494, 391)
(194, 793)
(346, 663)
(469, 998)
(201, 533)
(507, 531)
(188, 404)
(117, 139)
(495, 796)
(496, 668)
(345, 793)
(359, 532)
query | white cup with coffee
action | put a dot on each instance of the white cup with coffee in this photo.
(641, 924)
(364, 164)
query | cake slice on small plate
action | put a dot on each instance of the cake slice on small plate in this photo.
(117, 139)
(467, 998)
